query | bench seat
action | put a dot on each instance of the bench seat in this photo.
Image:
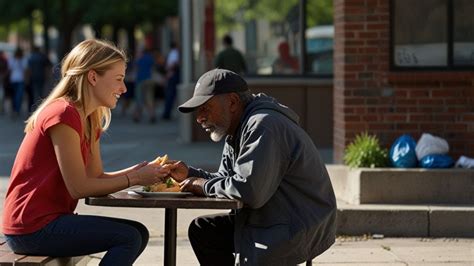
(7, 257)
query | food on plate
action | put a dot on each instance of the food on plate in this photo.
(170, 185)
(160, 160)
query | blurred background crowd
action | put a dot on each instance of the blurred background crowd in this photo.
(36, 34)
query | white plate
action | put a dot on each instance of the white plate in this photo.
(162, 194)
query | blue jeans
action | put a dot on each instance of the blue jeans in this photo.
(18, 88)
(78, 235)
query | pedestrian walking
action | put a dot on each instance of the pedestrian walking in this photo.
(38, 68)
(17, 72)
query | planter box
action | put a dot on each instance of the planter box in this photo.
(402, 186)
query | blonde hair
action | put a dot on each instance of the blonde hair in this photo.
(97, 55)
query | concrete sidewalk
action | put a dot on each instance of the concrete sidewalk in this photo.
(127, 143)
(348, 250)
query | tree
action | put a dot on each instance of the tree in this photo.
(16, 15)
(129, 14)
(233, 14)
(69, 14)
(319, 12)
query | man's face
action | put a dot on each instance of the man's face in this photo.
(214, 116)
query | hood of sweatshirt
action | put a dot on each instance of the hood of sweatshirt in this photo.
(263, 101)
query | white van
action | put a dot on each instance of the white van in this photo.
(319, 49)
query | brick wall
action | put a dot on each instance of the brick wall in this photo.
(368, 96)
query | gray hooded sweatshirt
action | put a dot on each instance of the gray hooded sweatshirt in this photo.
(273, 167)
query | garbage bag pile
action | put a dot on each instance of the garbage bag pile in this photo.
(429, 152)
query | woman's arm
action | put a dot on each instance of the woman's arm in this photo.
(66, 144)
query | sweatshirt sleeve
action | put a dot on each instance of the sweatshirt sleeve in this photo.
(258, 170)
(222, 172)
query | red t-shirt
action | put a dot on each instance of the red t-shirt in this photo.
(37, 193)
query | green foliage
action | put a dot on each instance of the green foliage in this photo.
(319, 12)
(272, 10)
(21, 27)
(119, 12)
(27, 17)
(365, 151)
(124, 12)
(231, 15)
(3, 33)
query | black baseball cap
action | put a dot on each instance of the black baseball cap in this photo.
(214, 82)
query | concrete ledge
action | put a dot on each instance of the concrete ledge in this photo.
(402, 186)
(405, 220)
(453, 222)
(389, 221)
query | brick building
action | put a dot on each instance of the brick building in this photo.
(373, 93)
(400, 66)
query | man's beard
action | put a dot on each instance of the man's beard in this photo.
(220, 131)
(218, 134)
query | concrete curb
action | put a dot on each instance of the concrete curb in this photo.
(406, 221)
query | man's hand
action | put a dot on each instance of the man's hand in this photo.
(178, 170)
(194, 185)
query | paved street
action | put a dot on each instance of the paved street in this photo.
(127, 143)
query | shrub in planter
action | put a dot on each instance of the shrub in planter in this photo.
(365, 151)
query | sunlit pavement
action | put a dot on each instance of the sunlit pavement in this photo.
(127, 143)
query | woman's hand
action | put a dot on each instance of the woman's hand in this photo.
(148, 174)
(178, 170)
(139, 165)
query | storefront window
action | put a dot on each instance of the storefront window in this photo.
(463, 33)
(319, 37)
(266, 32)
(420, 36)
(433, 34)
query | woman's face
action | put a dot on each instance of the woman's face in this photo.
(110, 86)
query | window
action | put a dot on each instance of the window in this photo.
(268, 35)
(463, 54)
(319, 37)
(436, 34)
(266, 32)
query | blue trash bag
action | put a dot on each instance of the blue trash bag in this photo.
(402, 152)
(437, 161)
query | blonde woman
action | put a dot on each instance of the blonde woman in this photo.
(59, 162)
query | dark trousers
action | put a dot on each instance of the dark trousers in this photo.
(35, 94)
(170, 94)
(212, 239)
(78, 235)
(18, 88)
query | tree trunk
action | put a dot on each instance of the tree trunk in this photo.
(65, 41)
(68, 22)
(63, 29)
(115, 34)
(98, 30)
(156, 36)
(31, 34)
(130, 29)
(45, 26)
